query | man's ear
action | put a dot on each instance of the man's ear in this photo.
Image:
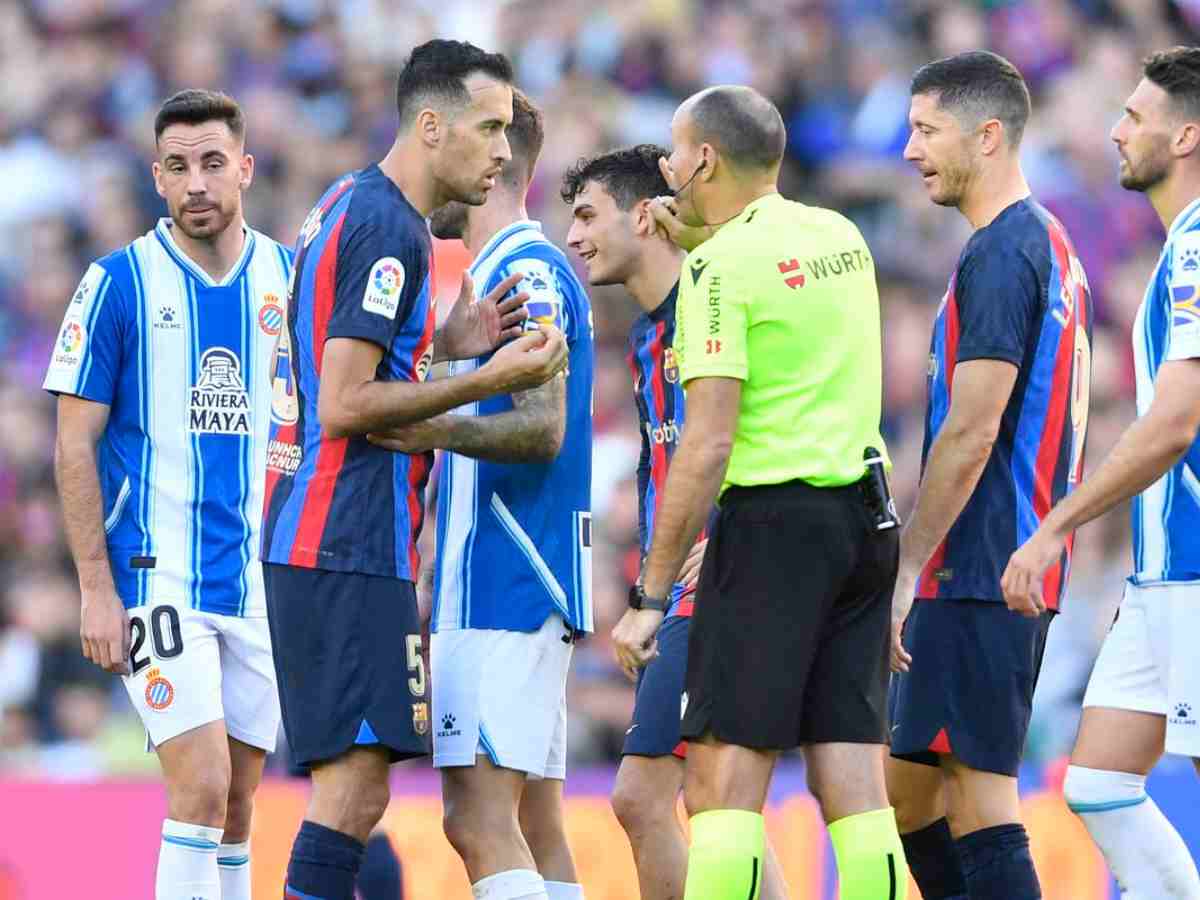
(991, 136)
(643, 219)
(1186, 139)
(156, 171)
(429, 126)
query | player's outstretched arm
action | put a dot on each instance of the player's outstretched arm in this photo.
(104, 625)
(1149, 447)
(475, 327)
(352, 402)
(531, 432)
(956, 461)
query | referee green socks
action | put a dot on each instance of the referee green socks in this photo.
(870, 857)
(725, 860)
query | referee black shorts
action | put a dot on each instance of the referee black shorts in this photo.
(790, 638)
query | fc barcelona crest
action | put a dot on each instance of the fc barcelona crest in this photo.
(421, 718)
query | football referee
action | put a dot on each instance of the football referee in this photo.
(778, 340)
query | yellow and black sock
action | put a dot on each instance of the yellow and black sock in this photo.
(870, 857)
(725, 860)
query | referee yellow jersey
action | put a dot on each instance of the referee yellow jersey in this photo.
(783, 298)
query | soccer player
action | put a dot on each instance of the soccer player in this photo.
(614, 232)
(777, 335)
(513, 577)
(1009, 371)
(162, 376)
(1144, 686)
(342, 516)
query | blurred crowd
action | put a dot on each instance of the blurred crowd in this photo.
(80, 81)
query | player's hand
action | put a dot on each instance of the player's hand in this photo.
(1022, 579)
(902, 602)
(104, 630)
(417, 437)
(473, 327)
(669, 225)
(529, 361)
(690, 573)
(634, 641)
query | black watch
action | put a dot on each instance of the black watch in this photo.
(639, 599)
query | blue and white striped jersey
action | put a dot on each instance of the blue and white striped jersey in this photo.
(183, 362)
(1166, 516)
(514, 542)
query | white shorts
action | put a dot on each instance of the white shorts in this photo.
(503, 694)
(191, 668)
(1149, 661)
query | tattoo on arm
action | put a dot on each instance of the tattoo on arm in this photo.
(531, 432)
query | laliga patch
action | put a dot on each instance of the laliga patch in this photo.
(384, 286)
(68, 350)
(544, 305)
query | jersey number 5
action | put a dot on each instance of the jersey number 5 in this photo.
(165, 635)
(416, 666)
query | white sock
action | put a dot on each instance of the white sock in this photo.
(233, 862)
(515, 884)
(1146, 854)
(187, 862)
(564, 890)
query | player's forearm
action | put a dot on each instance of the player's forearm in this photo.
(1143, 454)
(956, 461)
(531, 432)
(375, 406)
(693, 482)
(83, 511)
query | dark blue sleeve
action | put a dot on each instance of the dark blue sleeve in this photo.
(999, 298)
(378, 277)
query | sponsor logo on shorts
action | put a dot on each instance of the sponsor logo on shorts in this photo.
(420, 717)
(1182, 714)
(683, 702)
(448, 729)
(159, 692)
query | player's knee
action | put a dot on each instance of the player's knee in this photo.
(239, 811)
(202, 799)
(638, 806)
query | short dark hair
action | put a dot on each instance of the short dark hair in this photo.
(438, 68)
(194, 106)
(742, 124)
(525, 136)
(1177, 71)
(628, 175)
(980, 84)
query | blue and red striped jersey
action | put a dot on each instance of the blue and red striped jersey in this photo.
(658, 394)
(362, 271)
(1018, 294)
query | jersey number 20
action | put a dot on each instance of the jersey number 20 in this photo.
(165, 635)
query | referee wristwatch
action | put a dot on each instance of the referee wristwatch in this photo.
(639, 599)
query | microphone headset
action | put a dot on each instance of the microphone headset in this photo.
(684, 186)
